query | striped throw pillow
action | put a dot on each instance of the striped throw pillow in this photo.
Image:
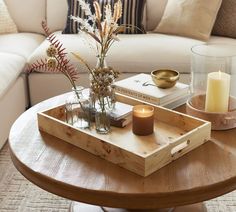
(132, 15)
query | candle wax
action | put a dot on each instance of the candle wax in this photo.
(217, 94)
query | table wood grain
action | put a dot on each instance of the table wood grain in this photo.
(63, 169)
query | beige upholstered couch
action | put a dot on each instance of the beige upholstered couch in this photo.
(133, 54)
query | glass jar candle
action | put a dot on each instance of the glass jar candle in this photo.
(143, 120)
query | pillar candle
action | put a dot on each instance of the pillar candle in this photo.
(217, 94)
(143, 119)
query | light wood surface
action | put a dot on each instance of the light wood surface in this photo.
(60, 168)
(142, 155)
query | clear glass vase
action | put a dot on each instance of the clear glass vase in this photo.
(102, 94)
(77, 109)
(102, 120)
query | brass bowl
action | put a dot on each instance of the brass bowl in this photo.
(165, 78)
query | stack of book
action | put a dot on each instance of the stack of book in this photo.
(121, 115)
(143, 88)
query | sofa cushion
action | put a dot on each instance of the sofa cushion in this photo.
(27, 14)
(193, 19)
(56, 22)
(22, 44)
(134, 53)
(11, 66)
(7, 25)
(151, 51)
(132, 15)
(225, 24)
(154, 11)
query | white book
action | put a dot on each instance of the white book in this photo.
(143, 88)
(121, 110)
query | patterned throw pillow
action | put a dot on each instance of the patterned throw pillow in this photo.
(132, 15)
(225, 24)
(7, 25)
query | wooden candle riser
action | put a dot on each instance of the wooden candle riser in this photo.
(219, 121)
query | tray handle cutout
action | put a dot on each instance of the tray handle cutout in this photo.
(179, 148)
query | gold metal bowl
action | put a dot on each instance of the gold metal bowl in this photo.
(165, 78)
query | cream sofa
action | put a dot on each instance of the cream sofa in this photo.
(133, 54)
(15, 49)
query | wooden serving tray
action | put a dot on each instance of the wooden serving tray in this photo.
(175, 134)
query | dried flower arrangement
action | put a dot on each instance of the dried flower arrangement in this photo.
(100, 32)
(101, 29)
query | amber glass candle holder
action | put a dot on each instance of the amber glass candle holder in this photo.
(143, 119)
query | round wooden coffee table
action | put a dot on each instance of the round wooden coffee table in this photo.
(63, 169)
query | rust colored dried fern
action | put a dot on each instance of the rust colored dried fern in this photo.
(63, 64)
(45, 28)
